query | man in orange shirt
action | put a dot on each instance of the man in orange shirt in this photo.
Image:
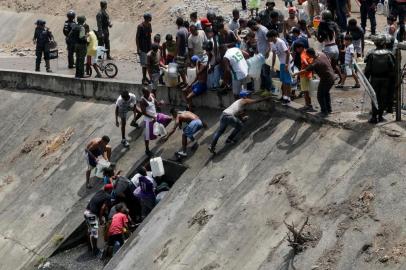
(305, 60)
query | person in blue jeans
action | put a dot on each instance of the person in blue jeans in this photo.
(193, 125)
(233, 116)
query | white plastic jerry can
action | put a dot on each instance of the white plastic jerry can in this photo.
(157, 167)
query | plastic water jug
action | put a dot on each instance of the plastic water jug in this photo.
(169, 81)
(159, 129)
(157, 167)
(255, 65)
(173, 70)
(191, 74)
(314, 84)
(101, 164)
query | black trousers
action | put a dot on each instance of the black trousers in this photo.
(71, 51)
(380, 86)
(105, 41)
(367, 12)
(39, 51)
(80, 50)
(323, 95)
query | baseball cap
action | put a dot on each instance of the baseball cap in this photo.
(205, 22)
(195, 58)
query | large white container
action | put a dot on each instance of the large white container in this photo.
(255, 65)
(157, 167)
(314, 84)
(169, 81)
(101, 164)
(191, 74)
(173, 70)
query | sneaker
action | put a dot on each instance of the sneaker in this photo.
(356, 86)
(49, 70)
(212, 149)
(134, 124)
(308, 108)
(125, 143)
(149, 153)
(181, 154)
(230, 141)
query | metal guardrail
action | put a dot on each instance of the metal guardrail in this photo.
(368, 87)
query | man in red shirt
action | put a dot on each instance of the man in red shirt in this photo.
(118, 227)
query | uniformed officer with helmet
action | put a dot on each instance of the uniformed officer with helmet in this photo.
(380, 70)
(67, 28)
(103, 25)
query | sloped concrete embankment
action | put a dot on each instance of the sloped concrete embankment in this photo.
(230, 214)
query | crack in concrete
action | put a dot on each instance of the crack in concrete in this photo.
(15, 241)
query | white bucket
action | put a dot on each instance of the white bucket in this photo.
(157, 167)
(101, 164)
(173, 70)
(169, 81)
(314, 84)
(191, 74)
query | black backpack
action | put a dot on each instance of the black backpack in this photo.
(382, 63)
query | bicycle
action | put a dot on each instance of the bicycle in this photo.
(110, 69)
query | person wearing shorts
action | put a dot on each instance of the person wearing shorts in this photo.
(305, 78)
(193, 125)
(148, 109)
(96, 210)
(199, 85)
(280, 49)
(236, 67)
(91, 51)
(144, 43)
(95, 148)
(126, 102)
(153, 66)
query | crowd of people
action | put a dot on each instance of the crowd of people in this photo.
(224, 55)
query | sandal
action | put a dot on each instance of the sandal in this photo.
(356, 86)
(339, 86)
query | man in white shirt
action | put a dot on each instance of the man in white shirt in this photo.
(235, 65)
(263, 48)
(125, 103)
(280, 49)
(195, 41)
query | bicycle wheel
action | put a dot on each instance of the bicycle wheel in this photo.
(110, 70)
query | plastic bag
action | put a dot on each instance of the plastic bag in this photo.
(159, 129)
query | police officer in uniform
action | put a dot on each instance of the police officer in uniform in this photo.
(42, 37)
(103, 24)
(379, 70)
(67, 28)
(78, 35)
